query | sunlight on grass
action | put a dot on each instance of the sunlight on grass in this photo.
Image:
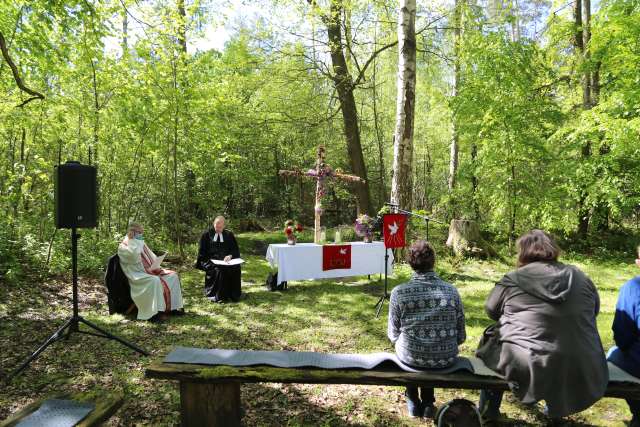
(324, 315)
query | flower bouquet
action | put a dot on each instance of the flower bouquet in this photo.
(364, 227)
(291, 230)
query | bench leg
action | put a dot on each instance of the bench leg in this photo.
(213, 405)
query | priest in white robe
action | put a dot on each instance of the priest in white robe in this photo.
(153, 289)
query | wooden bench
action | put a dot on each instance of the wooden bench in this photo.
(210, 395)
(105, 406)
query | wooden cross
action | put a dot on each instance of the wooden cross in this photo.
(321, 173)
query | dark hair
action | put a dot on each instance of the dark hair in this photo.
(421, 256)
(536, 245)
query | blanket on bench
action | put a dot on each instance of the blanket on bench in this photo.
(306, 359)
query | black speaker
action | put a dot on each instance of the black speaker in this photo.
(76, 196)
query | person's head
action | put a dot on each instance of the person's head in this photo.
(135, 230)
(218, 224)
(536, 245)
(421, 256)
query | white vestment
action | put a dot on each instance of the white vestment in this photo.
(152, 291)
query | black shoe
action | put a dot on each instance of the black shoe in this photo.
(180, 312)
(158, 318)
(430, 412)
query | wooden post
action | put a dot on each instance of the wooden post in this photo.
(210, 405)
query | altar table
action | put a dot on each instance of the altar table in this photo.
(303, 261)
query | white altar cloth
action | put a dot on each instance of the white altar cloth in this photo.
(303, 261)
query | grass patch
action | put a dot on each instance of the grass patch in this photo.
(326, 315)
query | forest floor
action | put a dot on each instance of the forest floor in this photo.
(328, 316)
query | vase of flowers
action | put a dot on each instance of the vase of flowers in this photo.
(364, 227)
(291, 230)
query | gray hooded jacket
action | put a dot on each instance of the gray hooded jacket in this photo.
(546, 340)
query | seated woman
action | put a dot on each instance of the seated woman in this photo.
(545, 341)
(153, 290)
(626, 334)
(426, 324)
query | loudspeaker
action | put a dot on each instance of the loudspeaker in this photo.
(76, 196)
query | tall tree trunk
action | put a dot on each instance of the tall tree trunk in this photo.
(343, 83)
(514, 208)
(383, 185)
(96, 115)
(402, 183)
(582, 36)
(176, 122)
(125, 32)
(453, 156)
(587, 101)
(474, 181)
(182, 26)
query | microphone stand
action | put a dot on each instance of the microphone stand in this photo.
(396, 209)
(384, 296)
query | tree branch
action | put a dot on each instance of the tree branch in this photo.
(16, 75)
(385, 47)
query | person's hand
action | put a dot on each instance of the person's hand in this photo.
(130, 234)
(227, 258)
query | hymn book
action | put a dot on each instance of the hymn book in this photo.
(234, 261)
(156, 264)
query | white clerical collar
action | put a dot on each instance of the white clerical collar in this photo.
(218, 236)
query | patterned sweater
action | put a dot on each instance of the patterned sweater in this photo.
(426, 321)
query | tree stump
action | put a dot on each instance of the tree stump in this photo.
(465, 240)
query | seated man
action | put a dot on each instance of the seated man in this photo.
(221, 282)
(626, 334)
(153, 290)
(426, 324)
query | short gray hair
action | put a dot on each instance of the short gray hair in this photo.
(219, 217)
(134, 226)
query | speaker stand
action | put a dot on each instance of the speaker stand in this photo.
(72, 324)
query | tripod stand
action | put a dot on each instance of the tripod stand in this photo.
(384, 296)
(72, 324)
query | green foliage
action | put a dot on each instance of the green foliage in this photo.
(179, 138)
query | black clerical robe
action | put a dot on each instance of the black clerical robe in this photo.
(221, 282)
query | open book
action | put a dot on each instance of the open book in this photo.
(157, 262)
(234, 261)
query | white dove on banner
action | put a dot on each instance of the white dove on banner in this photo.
(393, 228)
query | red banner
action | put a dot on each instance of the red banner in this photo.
(336, 257)
(393, 227)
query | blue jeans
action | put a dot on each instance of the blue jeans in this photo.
(427, 395)
(618, 358)
(489, 405)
